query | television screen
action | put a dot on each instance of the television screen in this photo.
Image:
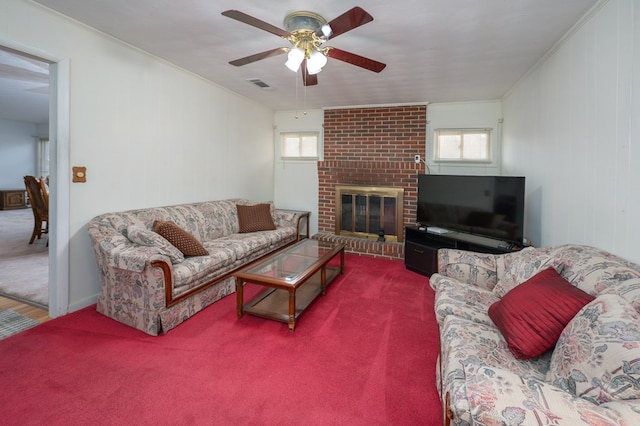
(491, 206)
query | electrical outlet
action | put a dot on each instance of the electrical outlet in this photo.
(417, 159)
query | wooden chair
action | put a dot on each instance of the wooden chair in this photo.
(44, 187)
(39, 206)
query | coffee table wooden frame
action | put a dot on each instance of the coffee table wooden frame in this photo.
(287, 296)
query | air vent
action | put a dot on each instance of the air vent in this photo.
(261, 84)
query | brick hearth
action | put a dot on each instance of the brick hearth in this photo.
(372, 147)
(364, 246)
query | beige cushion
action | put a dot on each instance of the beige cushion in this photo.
(597, 356)
(255, 218)
(498, 396)
(139, 235)
(521, 266)
(180, 238)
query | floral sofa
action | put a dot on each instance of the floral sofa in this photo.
(149, 284)
(589, 370)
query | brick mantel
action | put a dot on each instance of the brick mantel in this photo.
(371, 146)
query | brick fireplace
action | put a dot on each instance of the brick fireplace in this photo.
(372, 147)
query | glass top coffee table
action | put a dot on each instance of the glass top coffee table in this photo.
(294, 277)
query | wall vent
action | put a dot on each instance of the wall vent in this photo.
(261, 84)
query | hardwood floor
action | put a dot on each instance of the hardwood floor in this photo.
(38, 314)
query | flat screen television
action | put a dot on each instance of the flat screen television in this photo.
(490, 206)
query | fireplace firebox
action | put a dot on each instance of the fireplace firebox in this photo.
(370, 212)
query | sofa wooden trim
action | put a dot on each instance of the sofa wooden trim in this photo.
(447, 412)
(301, 214)
(168, 279)
(168, 284)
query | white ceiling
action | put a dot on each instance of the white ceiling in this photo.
(435, 50)
(24, 88)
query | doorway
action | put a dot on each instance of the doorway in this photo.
(57, 131)
(24, 144)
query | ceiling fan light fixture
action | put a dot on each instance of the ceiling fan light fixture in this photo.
(326, 30)
(303, 21)
(316, 61)
(294, 59)
(307, 32)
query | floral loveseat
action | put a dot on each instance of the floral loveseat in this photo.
(588, 372)
(149, 284)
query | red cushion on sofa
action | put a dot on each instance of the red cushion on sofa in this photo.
(533, 314)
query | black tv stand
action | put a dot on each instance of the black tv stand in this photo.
(421, 247)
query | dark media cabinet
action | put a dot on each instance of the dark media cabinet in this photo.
(421, 247)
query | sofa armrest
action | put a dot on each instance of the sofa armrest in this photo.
(114, 250)
(499, 396)
(468, 267)
(286, 218)
(135, 258)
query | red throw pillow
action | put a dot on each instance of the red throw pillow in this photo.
(533, 314)
(181, 239)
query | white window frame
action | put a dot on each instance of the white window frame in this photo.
(461, 132)
(300, 135)
(43, 157)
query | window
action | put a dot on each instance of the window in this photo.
(299, 146)
(43, 157)
(469, 145)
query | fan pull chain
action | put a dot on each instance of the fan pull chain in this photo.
(304, 102)
(296, 83)
(304, 93)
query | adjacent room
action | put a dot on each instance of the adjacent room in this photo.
(419, 212)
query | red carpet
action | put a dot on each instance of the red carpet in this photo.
(364, 354)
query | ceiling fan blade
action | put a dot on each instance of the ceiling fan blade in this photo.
(347, 21)
(255, 22)
(356, 60)
(258, 56)
(308, 79)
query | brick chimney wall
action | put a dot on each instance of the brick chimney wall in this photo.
(372, 147)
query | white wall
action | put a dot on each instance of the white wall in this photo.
(149, 133)
(18, 152)
(572, 127)
(465, 115)
(296, 182)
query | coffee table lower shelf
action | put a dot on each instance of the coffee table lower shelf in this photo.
(273, 303)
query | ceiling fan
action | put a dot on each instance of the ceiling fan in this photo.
(307, 32)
